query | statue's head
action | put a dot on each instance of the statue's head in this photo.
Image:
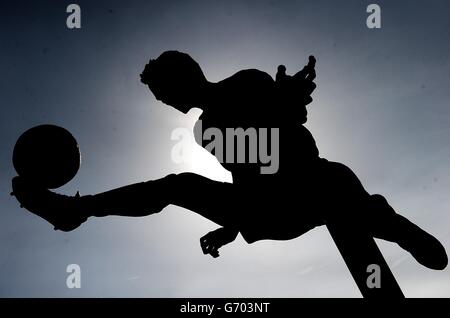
(176, 80)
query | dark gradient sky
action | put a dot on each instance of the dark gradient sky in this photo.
(381, 106)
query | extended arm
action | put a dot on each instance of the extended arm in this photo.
(214, 240)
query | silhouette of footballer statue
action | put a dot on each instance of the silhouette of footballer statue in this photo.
(307, 191)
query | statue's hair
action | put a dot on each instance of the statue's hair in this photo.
(172, 68)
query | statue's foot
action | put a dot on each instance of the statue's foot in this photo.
(65, 213)
(424, 247)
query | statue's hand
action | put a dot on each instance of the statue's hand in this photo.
(214, 240)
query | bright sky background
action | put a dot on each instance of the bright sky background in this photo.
(381, 107)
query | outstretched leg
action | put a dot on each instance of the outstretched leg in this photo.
(211, 199)
(386, 224)
(373, 214)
